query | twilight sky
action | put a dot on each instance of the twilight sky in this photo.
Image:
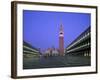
(41, 28)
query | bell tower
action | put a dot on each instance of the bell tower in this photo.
(61, 40)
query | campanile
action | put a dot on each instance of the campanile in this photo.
(61, 40)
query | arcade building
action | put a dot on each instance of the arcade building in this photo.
(81, 45)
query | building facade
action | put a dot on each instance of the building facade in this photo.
(51, 52)
(81, 45)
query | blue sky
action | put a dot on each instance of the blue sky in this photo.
(41, 28)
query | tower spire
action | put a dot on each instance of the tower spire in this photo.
(61, 27)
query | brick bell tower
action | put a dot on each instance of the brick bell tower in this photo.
(61, 41)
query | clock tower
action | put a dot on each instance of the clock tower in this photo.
(61, 40)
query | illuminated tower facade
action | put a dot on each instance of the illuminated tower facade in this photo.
(61, 40)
